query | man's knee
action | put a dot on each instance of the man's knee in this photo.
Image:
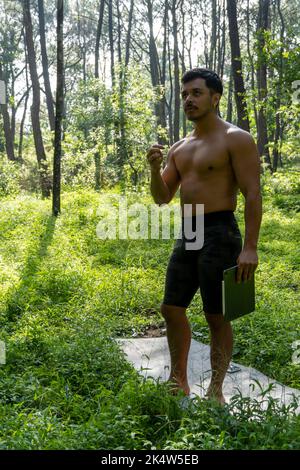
(171, 312)
(216, 321)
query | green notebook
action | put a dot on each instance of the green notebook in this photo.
(237, 299)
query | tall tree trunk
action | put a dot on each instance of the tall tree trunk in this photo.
(155, 73)
(35, 108)
(251, 63)
(98, 36)
(59, 109)
(229, 100)
(21, 132)
(121, 139)
(262, 130)
(176, 74)
(119, 35)
(81, 34)
(183, 62)
(97, 157)
(170, 107)
(111, 42)
(128, 38)
(164, 70)
(13, 106)
(280, 143)
(213, 38)
(221, 59)
(191, 31)
(204, 20)
(277, 143)
(217, 52)
(49, 99)
(9, 144)
(164, 53)
(20, 145)
(236, 63)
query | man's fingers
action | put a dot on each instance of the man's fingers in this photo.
(155, 148)
(158, 146)
(247, 263)
(155, 156)
(251, 271)
(245, 272)
(239, 273)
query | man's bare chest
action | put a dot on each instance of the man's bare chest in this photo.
(201, 158)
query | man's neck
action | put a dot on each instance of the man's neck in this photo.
(206, 124)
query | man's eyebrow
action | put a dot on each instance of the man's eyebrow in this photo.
(193, 89)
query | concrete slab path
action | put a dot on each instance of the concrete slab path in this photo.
(150, 356)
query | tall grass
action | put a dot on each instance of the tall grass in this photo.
(67, 294)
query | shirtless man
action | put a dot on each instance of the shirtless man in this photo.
(210, 165)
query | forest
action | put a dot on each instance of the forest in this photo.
(86, 88)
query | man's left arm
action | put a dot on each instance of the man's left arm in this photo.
(246, 166)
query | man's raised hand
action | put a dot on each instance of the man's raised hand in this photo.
(155, 157)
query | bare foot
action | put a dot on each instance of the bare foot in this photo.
(219, 399)
(216, 396)
(175, 387)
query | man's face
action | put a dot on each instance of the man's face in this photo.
(197, 99)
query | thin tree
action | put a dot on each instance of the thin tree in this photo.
(98, 37)
(204, 21)
(49, 98)
(229, 99)
(155, 69)
(236, 64)
(222, 40)
(35, 108)
(128, 37)
(174, 7)
(191, 33)
(213, 38)
(121, 139)
(262, 129)
(278, 124)
(171, 88)
(97, 156)
(8, 135)
(59, 110)
(81, 31)
(20, 145)
(111, 41)
(250, 56)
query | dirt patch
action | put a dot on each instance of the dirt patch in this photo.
(153, 332)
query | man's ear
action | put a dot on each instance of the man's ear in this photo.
(216, 99)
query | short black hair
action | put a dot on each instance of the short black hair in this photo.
(212, 80)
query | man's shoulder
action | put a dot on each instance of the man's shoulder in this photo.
(237, 138)
(177, 144)
(236, 134)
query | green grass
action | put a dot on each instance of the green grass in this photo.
(66, 294)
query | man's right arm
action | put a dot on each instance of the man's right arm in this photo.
(163, 185)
